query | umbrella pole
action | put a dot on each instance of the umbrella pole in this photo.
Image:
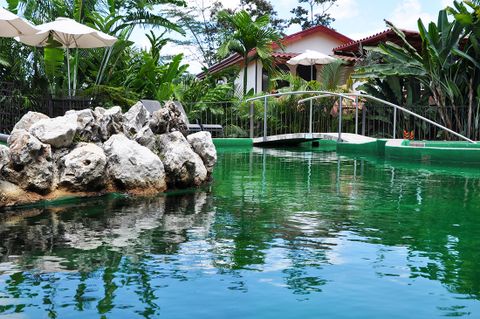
(311, 72)
(68, 71)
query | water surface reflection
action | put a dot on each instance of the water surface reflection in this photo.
(280, 234)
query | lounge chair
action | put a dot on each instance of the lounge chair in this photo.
(212, 128)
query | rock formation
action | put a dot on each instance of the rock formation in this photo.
(93, 152)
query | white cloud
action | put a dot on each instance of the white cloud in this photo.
(345, 9)
(407, 13)
(228, 4)
(446, 3)
(364, 34)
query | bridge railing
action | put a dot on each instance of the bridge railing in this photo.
(278, 113)
(395, 117)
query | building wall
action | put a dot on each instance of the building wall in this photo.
(317, 42)
(250, 78)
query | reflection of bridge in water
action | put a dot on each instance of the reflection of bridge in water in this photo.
(297, 129)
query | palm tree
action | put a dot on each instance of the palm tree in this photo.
(251, 39)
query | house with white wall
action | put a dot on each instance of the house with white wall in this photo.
(318, 38)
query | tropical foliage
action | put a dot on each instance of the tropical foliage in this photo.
(445, 69)
(251, 39)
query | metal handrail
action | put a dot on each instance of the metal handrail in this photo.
(395, 107)
(328, 94)
(265, 98)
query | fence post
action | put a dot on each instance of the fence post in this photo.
(50, 106)
(364, 120)
(251, 119)
(265, 119)
(356, 114)
(394, 122)
(310, 123)
(340, 120)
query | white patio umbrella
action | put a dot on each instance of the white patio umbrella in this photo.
(12, 25)
(311, 57)
(70, 34)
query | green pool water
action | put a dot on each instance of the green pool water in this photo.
(278, 234)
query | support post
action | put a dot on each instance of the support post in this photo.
(356, 114)
(364, 119)
(340, 111)
(310, 121)
(251, 113)
(394, 122)
(265, 119)
(68, 71)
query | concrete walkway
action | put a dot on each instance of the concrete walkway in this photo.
(297, 138)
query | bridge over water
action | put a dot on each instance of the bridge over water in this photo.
(268, 128)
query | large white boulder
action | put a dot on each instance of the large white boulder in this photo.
(28, 120)
(4, 156)
(160, 121)
(133, 167)
(145, 137)
(110, 121)
(135, 118)
(83, 168)
(31, 165)
(58, 132)
(202, 144)
(183, 166)
(168, 119)
(87, 127)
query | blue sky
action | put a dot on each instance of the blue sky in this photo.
(354, 18)
(360, 18)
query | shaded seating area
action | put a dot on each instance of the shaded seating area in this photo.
(215, 129)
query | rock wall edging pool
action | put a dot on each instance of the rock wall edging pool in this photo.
(92, 152)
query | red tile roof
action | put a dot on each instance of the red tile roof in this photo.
(346, 58)
(284, 55)
(319, 28)
(236, 58)
(413, 38)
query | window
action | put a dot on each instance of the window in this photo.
(305, 72)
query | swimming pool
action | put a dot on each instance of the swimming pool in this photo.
(278, 234)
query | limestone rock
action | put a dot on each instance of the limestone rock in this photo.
(202, 144)
(110, 121)
(84, 168)
(58, 132)
(145, 137)
(183, 166)
(4, 156)
(160, 121)
(136, 117)
(28, 120)
(11, 194)
(169, 119)
(133, 167)
(24, 147)
(87, 127)
(31, 165)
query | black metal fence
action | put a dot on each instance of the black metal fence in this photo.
(374, 120)
(13, 106)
